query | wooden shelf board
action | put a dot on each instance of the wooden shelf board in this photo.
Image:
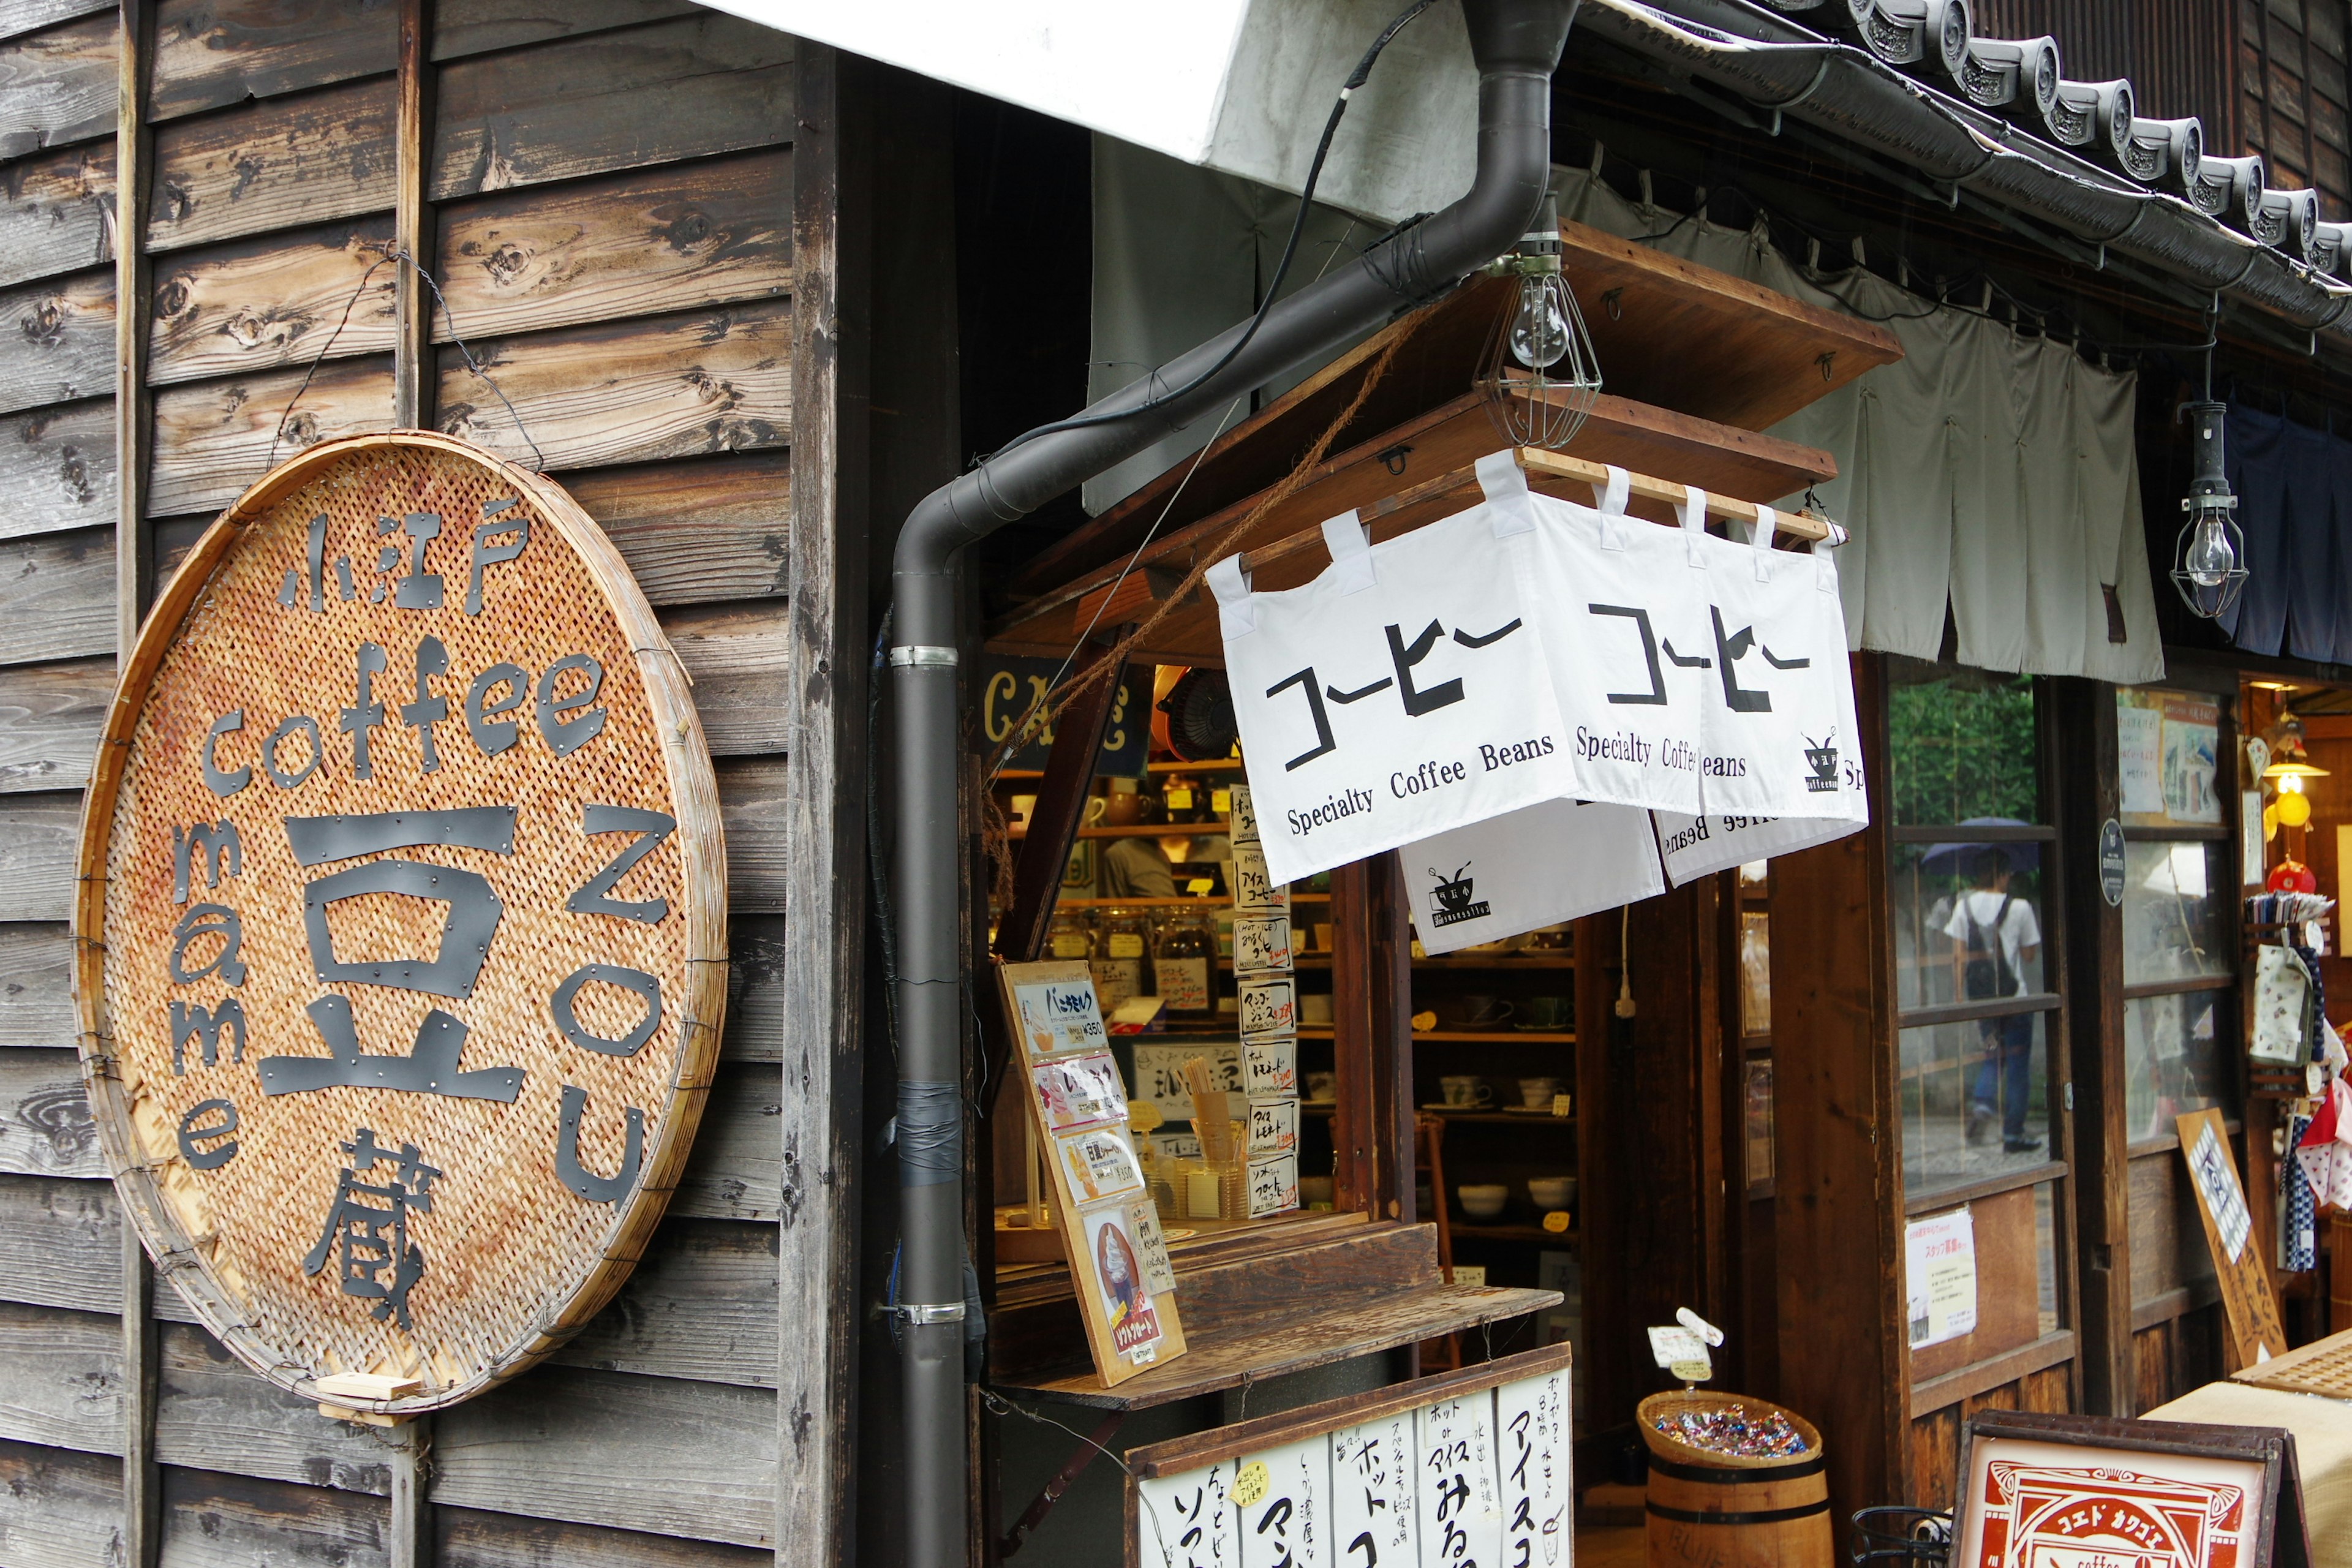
(1677, 334)
(1286, 1343)
(1473, 1230)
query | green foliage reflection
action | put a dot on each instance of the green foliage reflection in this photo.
(1960, 745)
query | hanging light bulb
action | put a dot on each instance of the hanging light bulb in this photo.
(2207, 560)
(1540, 375)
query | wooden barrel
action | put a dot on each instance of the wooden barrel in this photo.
(1723, 1510)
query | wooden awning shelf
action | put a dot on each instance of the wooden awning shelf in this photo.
(1373, 1286)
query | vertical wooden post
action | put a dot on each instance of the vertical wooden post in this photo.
(134, 143)
(1844, 1361)
(826, 780)
(1371, 1008)
(408, 1541)
(413, 230)
(2088, 794)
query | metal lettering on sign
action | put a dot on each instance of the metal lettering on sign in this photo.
(402, 939)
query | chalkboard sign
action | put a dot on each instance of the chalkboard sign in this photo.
(401, 934)
(1012, 687)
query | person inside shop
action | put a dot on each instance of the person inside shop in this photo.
(1996, 949)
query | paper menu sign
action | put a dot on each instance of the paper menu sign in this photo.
(1273, 1185)
(1098, 1163)
(1269, 1068)
(1374, 1498)
(1143, 1222)
(1282, 1499)
(1129, 1306)
(1255, 888)
(1261, 944)
(1674, 1346)
(1059, 1015)
(1241, 822)
(2139, 759)
(1461, 1508)
(1189, 1521)
(1273, 1127)
(1268, 1007)
(1078, 1091)
(1535, 1462)
(1939, 1278)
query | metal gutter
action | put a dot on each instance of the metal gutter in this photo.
(1516, 44)
(1777, 67)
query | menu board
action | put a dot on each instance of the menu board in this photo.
(1078, 1105)
(1270, 1016)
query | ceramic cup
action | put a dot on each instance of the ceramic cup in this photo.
(1535, 1093)
(1545, 1012)
(1466, 1091)
(1482, 1200)
(1484, 1012)
(1551, 1193)
(1322, 1085)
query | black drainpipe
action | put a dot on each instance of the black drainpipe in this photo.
(1516, 43)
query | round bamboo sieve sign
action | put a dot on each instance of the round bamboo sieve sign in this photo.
(401, 932)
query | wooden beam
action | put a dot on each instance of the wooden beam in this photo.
(2083, 711)
(134, 577)
(409, 1539)
(826, 778)
(1371, 1007)
(412, 227)
(1844, 1361)
(1053, 822)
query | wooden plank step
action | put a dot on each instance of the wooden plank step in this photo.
(1282, 1343)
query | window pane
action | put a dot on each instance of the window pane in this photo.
(1960, 745)
(1968, 921)
(2172, 911)
(1975, 1101)
(2172, 1059)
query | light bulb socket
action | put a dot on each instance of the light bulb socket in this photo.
(2210, 503)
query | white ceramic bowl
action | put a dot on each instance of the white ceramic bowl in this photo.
(1482, 1200)
(1551, 1193)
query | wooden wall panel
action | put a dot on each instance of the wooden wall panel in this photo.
(214, 1414)
(44, 1122)
(304, 159)
(58, 1508)
(57, 468)
(462, 27)
(739, 657)
(62, 1378)
(209, 53)
(36, 839)
(55, 213)
(56, 341)
(701, 1305)
(700, 233)
(734, 1171)
(62, 1240)
(25, 15)
(700, 84)
(751, 804)
(36, 985)
(57, 601)
(668, 386)
(641, 1453)
(697, 531)
(57, 86)
(231, 1522)
(50, 719)
(280, 299)
(213, 438)
(469, 1537)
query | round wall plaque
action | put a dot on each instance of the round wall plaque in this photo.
(401, 934)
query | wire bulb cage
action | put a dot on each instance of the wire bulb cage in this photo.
(2209, 558)
(1540, 375)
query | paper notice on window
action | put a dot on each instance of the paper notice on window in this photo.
(2139, 758)
(1939, 1278)
(2217, 1184)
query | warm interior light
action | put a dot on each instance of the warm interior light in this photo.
(2290, 773)
(2290, 784)
(2270, 686)
(2294, 810)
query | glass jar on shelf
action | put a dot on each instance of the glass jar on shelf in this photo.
(1120, 956)
(1184, 966)
(1072, 935)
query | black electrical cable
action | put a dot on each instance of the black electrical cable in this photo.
(1289, 250)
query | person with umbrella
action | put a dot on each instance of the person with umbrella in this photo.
(1996, 949)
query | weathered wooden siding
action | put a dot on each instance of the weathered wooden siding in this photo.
(611, 200)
